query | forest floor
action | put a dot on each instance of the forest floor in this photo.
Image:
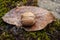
(10, 32)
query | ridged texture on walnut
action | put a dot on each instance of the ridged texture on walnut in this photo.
(27, 19)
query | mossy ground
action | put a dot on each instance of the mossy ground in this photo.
(51, 32)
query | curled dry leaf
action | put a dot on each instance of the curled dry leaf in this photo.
(38, 18)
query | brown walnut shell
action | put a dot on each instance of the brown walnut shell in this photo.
(27, 19)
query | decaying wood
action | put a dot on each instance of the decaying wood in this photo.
(52, 5)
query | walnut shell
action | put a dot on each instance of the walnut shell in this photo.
(27, 19)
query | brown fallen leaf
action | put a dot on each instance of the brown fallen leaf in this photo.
(42, 17)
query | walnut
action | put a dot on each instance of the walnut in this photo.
(27, 19)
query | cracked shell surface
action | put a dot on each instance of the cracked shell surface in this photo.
(43, 17)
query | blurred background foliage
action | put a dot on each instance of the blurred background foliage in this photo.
(51, 32)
